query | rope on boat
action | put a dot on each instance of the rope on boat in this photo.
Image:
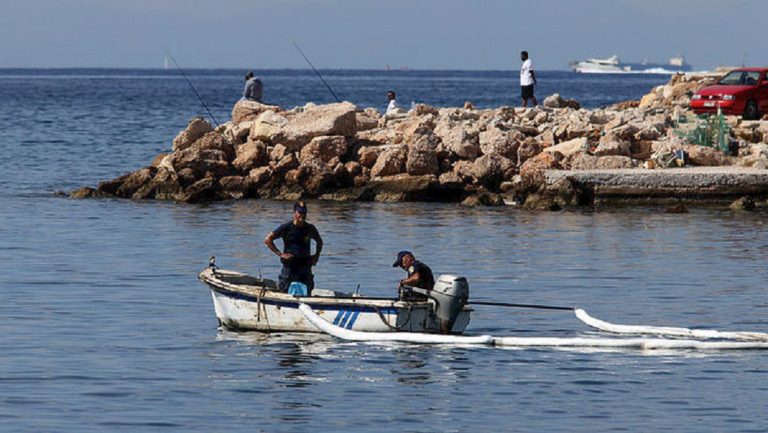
(396, 327)
(634, 343)
(668, 331)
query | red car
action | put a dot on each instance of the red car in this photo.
(742, 92)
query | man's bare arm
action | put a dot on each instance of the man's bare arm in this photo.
(318, 249)
(269, 241)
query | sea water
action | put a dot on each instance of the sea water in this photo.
(104, 326)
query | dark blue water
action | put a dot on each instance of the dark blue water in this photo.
(104, 327)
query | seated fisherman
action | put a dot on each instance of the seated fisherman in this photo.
(419, 274)
(296, 256)
(254, 88)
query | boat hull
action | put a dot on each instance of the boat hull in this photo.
(257, 308)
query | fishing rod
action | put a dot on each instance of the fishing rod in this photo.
(506, 304)
(191, 86)
(316, 72)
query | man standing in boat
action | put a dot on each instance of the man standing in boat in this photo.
(527, 80)
(419, 274)
(296, 256)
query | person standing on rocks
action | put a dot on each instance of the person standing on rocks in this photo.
(253, 88)
(392, 107)
(527, 80)
(296, 256)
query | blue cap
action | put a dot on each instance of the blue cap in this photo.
(300, 207)
(400, 256)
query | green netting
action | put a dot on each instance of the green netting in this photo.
(704, 130)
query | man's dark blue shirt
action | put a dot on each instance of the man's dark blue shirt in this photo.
(296, 239)
(426, 280)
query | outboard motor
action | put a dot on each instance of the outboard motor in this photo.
(451, 293)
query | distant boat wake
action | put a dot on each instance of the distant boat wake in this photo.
(737, 340)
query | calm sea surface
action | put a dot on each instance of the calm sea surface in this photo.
(105, 328)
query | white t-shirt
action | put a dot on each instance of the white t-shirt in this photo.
(391, 107)
(525, 73)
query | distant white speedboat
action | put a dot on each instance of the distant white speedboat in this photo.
(246, 302)
(613, 65)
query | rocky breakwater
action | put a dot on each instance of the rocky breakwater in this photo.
(477, 156)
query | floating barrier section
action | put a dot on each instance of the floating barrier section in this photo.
(488, 340)
(668, 331)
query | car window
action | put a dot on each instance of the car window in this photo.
(733, 77)
(751, 78)
(741, 78)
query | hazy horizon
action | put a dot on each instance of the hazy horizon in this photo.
(370, 35)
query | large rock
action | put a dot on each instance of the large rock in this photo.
(127, 185)
(483, 199)
(251, 155)
(459, 139)
(706, 156)
(266, 126)
(554, 101)
(325, 148)
(164, 185)
(613, 144)
(249, 110)
(314, 176)
(404, 187)
(584, 161)
(422, 156)
(744, 204)
(527, 149)
(413, 127)
(569, 148)
(209, 156)
(489, 170)
(368, 155)
(196, 128)
(260, 176)
(237, 187)
(278, 152)
(203, 190)
(238, 133)
(423, 109)
(390, 162)
(286, 163)
(499, 142)
(367, 120)
(331, 119)
(532, 171)
(215, 141)
(195, 163)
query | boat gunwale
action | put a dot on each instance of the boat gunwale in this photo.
(268, 296)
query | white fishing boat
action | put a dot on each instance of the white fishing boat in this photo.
(245, 302)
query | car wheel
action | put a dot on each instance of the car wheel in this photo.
(750, 111)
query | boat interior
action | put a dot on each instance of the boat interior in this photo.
(256, 283)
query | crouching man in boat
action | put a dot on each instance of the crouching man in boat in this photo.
(419, 275)
(296, 256)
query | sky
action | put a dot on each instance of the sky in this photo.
(374, 34)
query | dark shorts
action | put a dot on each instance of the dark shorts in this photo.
(301, 274)
(299, 269)
(526, 91)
